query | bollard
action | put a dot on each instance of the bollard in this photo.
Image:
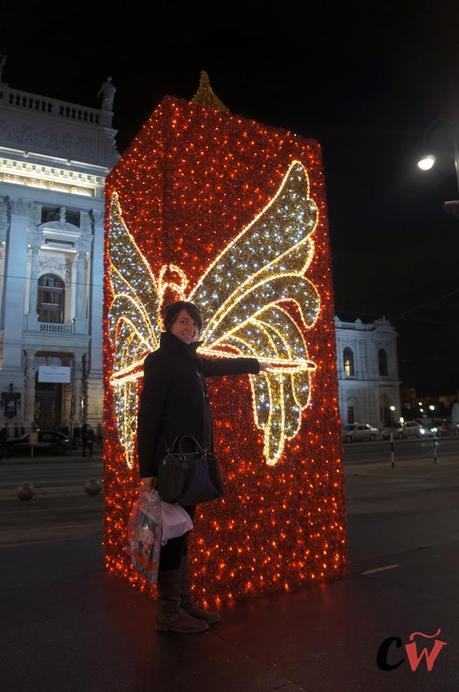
(93, 487)
(392, 447)
(25, 491)
(435, 447)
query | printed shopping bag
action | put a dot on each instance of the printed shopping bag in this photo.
(144, 534)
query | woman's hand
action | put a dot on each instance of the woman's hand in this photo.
(263, 365)
(148, 483)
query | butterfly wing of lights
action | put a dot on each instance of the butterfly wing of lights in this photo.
(133, 323)
(256, 300)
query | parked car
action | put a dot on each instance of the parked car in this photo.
(414, 429)
(447, 428)
(49, 442)
(359, 432)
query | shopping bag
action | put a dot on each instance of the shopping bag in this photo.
(144, 534)
(175, 521)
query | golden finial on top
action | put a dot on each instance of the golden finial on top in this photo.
(205, 95)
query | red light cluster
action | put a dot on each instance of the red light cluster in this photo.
(187, 185)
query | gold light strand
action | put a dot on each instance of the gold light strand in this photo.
(239, 296)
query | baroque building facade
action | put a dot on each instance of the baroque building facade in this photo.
(369, 387)
(54, 158)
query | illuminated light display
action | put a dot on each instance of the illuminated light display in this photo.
(212, 208)
(239, 298)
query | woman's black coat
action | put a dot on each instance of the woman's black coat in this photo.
(174, 398)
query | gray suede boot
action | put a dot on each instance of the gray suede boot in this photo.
(171, 617)
(185, 598)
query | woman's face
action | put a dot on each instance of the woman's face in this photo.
(185, 328)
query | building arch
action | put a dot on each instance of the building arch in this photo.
(348, 362)
(382, 362)
(51, 298)
(351, 409)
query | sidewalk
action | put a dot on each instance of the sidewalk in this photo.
(69, 626)
(71, 456)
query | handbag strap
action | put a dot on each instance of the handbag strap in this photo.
(179, 442)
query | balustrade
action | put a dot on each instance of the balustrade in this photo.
(63, 109)
(56, 328)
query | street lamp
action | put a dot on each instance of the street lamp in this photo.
(392, 409)
(428, 161)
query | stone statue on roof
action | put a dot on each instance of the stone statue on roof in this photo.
(107, 92)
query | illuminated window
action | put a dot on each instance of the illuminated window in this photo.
(51, 299)
(382, 362)
(348, 358)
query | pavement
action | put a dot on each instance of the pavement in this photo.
(68, 626)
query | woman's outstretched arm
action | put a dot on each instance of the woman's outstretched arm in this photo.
(230, 366)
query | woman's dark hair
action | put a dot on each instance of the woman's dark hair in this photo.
(171, 311)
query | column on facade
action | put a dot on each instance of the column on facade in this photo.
(13, 302)
(77, 388)
(339, 357)
(359, 365)
(80, 317)
(67, 395)
(70, 281)
(2, 270)
(29, 394)
(94, 382)
(32, 319)
(16, 264)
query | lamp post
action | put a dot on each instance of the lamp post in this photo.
(392, 412)
(428, 161)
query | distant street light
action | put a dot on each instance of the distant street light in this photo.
(392, 409)
(429, 161)
(432, 407)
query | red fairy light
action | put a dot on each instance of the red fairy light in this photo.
(190, 183)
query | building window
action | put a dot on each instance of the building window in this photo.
(51, 299)
(50, 214)
(348, 358)
(382, 361)
(72, 216)
(350, 415)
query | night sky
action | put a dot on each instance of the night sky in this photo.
(368, 81)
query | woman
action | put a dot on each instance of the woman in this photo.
(174, 401)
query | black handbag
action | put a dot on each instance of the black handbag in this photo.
(188, 478)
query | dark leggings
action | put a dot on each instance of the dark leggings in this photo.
(171, 553)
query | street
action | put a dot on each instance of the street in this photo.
(61, 508)
(379, 499)
(379, 450)
(71, 470)
(82, 629)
